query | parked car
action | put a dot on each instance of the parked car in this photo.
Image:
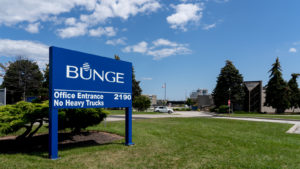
(164, 109)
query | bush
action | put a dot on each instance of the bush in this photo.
(141, 103)
(77, 119)
(223, 109)
(213, 109)
(182, 109)
(23, 115)
(26, 115)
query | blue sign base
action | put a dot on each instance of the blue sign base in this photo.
(53, 133)
(128, 123)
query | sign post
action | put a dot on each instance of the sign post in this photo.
(80, 80)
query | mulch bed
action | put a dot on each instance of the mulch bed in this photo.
(39, 143)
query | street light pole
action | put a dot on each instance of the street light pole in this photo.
(230, 101)
(249, 100)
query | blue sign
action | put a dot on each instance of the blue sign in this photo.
(83, 80)
(80, 80)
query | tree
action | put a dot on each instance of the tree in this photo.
(4, 69)
(44, 91)
(277, 90)
(189, 102)
(136, 89)
(295, 92)
(22, 78)
(229, 85)
(141, 102)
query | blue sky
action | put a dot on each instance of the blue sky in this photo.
(184, 43)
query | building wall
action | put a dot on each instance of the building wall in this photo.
(204, 101)
(271, 109)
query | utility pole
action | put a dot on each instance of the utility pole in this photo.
(165, 92)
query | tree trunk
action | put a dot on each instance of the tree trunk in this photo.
(40, 125)
(27, 131)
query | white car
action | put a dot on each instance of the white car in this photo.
(164, 109)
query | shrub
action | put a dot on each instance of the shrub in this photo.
(223, 109)
(182, 109)
(141, 103)
(23, 115)
(77, 119)
(27, 115)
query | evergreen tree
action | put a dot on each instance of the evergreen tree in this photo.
(229, 85)
(22, 78)
(277, 90)
(295, 92)
(136, 89)
(45, 85)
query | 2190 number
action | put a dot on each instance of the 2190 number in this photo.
(122, 97)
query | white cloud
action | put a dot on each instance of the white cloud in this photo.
(114, 42)
(33, 50)
(17, 11)
(91, 13)
(108, 31)
(147, 78)
(78, 29)
(164, 42)
(185, 13)
(33, 28)
(292, 50)
(106, 9)
(166, 52)
(70, 21)
(141, 47)
(160, 49)
(208, 27)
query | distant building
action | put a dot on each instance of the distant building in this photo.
(153, 99)
(202, 98)
(2, 96)
(198, 92)
(203, 101)
(255, 97)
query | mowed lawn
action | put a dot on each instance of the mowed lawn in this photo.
(179, 143)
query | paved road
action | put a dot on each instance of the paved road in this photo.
(163, 115)
(295, 129)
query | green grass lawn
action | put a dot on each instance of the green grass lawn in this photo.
(122, 112)
(272, 116)
(179, 143)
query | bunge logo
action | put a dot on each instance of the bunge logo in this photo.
(86, 73)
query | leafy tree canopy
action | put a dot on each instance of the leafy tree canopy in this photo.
(22, 78)
(141, 102)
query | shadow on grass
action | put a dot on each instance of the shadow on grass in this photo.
(38, 145)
